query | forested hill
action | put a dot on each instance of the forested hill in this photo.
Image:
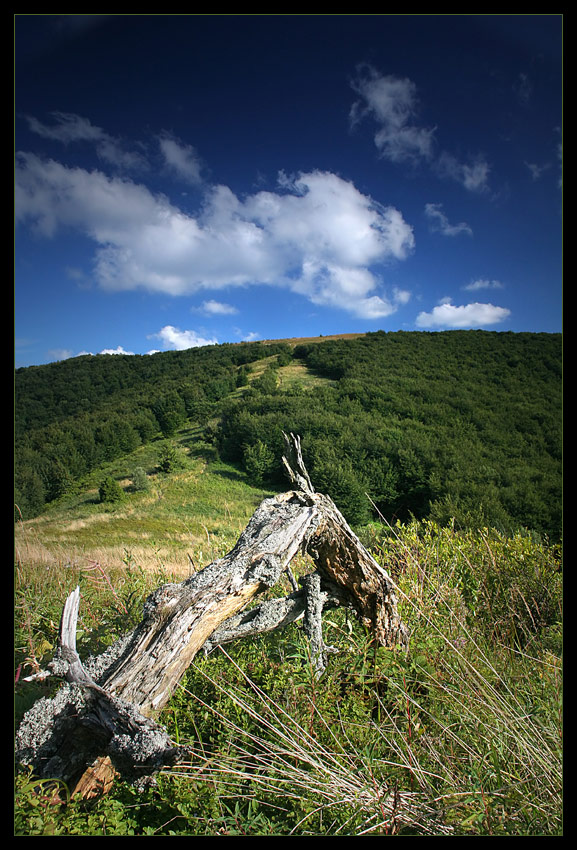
(462, 425)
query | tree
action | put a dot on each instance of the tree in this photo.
(29, 494)
(169, 458)
(284, 358)
(268, 382)
(57, 479)
(170, 412)
(242, 377)
(110, 490)
(259, 461)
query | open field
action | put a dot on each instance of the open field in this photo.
(188, 517)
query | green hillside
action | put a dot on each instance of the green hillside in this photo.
(456, 425)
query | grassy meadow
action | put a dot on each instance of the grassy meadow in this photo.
(461, 735)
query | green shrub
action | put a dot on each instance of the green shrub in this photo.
(140, 479)
(259, 461)
(169, 458)
(110, 490)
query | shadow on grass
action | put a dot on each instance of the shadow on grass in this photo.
(202, 450)
(229, 474)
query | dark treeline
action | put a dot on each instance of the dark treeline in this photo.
(462, 425)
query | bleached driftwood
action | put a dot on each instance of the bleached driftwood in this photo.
(102, 719)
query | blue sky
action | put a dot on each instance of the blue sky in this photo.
(184, 180)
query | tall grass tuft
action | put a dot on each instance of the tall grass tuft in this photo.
(329, 784)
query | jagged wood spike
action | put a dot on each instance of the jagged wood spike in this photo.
(295, 466)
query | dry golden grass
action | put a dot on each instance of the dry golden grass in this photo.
(52, 556)
(298, 373)
(310, 339)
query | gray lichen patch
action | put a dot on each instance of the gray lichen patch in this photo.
(45, 722)
(137, 745)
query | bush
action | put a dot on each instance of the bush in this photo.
(259, 462)
(110, 490)
(140, 479)
(169, 458)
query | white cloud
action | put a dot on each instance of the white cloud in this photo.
(215, 308)
(401, 296)
(67, 354)
(181, 159)
(109, 210)
(118, 350)
(69, 128)
(447, 315)
(176, 340)
(392, 103)
(440, 222)
(350, 289)
(537, 170)
(60, 354)
(483, 284)
(474, 175)
(317, 235)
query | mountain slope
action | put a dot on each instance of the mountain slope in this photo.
(463, 425)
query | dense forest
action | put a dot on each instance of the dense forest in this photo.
(460, 426)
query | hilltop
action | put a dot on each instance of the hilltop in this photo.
(302, 340)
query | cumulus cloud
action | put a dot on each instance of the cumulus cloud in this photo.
(118, 350)
(317, 234)
(181, 159)
(176, 340)
(440, 222)
(108, 210)
(67, 354)
(447, 315)
(483, 284)
(215, 308)
(392, 103)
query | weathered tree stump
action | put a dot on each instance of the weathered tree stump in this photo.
(102, 720)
